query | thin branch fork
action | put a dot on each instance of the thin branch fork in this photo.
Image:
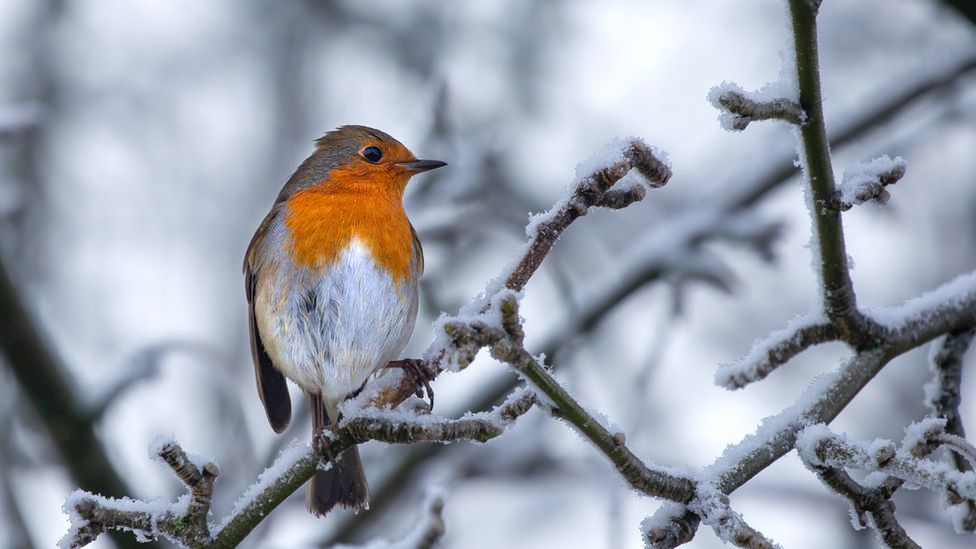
(943, 399)
(186, 522)
(92, 515)
(828, 454)
(872, 506)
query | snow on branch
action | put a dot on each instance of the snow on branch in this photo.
(185, 521)
(778, 348)
(942, 398)
(738, 108)
(504, 339)
(713, 507)
(866, 181)
(602, 181)
(821, 449)
(672, 525)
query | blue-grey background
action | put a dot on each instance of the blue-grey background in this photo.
(146, 140)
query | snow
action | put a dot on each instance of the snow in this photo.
(750, 367)
(665, 514)
(919, 432)
(953, 294)
(864, 181)
(288, 457)
(157, 445)
(785, 87)
(156, 509)
(353, 410)
(613, 152)
(713, 506)
(774, 427)
(485, 309)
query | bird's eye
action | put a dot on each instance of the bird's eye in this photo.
(372, 154)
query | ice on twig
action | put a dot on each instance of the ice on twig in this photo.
(776, 349)
(713, 507)
(867, 181)
(738, 108)
(282, 466)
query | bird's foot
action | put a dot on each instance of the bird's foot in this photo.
(419, 373)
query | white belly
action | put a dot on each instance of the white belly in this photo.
(330, 332)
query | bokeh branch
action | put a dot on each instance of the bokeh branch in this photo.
(47, 387)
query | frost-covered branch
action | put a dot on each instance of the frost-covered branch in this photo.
(739, 108)
(823, 450)
(839, 300)
(596, 186)
(504, 338)
(185, 521)
(871, 505)
(942, 398)
(867, 181)
(672, 525)
(713, 507)
(777, 349)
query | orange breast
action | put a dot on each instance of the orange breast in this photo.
(323, 220)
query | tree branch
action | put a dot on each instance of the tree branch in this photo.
(942, 397)
(185, 521)
(684, 231)
(777, 349)
(594, 188)
(839, 300)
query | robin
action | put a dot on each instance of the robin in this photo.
(331, 277)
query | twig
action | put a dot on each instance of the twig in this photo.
(185, 521)
(591, 190)
(942, 397)
(713, 507)
(831, 254)
(646, 269)
(739, 108)
(872, 506)
(777, 349)
(866, 181)
(505, 343)
(821, 448)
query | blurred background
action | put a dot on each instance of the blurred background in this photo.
(141, 143)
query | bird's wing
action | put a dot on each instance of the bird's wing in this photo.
(272, 387)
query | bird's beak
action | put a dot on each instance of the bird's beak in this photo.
(417, 166)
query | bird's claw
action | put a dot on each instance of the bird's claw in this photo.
(420, 375)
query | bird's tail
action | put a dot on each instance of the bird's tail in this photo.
(344, 483)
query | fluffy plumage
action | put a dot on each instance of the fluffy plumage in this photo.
(332, 283)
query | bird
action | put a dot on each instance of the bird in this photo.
(331, 277)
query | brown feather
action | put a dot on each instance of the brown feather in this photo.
(272, 387)
(344, 483)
